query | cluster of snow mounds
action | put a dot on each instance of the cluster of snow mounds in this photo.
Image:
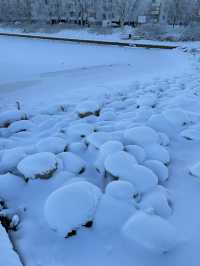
(40, 165)
(8, 255)
(151, 232)
(72, 206)
(9, 117)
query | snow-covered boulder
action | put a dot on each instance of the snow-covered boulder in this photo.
(159, 123)
(119, 164)
(177, 117)
(116, 206)
(106, 149)
(40, 165)
(163, 139)
(72, 162)
(88, 108)
(191, 134)
(159, 169)
(137, 151)
(121, 190)
(158, 200)
(72, 206)
(124, 166)
(9, 117)
(97, 139)
(107, 116)
(151, 232)
(141, 136)
(195, 170)
(77, 147)
(146, 100)
(157, 152)
(51, 144)
(10, 158)
(20, 126)
(79, 130)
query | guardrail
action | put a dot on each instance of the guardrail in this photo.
(125, 44)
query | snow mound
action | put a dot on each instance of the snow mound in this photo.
(151, 232)
(121, 190)
(160, 123)
(105, 150)
(124, 166)
(20, 126)
(120, 164)
(157, 152)
(163, 139)
(88, 108)
(71, 206)
(177, 117)
(77, 147)
(107, 116)
(8, 255)
(9, 117)
(40, 165)
(72, 162)
(147, 100)
(191, 134)
(10, 158)
(97, 139)
(141, 136)
(159, 169)
(80, 130)
(137, 151)
(157, 200)
(195, 170)
(51, 144)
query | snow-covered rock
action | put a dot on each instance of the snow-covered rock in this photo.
(10, 159)
(6, 143)
(158, 153)
(163, 139)
(40, 165)
(159, 201)
(124, 166)
(9, 117)
(137, 151)
(20, 126)
(121, 190)
(77, 147)
(51, 144)
(120, 164)
(106, 149)
(159, 123)
(177, 117)
(146, 100)
(72, 162)
(191, 134)
(151, 232)
(107, 116)
(72, 206)
(88, 108)
(195, 170)
(141, 136)
(97, 139)
(80, 130)
(159, 169)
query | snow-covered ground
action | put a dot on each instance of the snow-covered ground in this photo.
(106, 135)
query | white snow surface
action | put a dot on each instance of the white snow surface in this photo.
(50, 80)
